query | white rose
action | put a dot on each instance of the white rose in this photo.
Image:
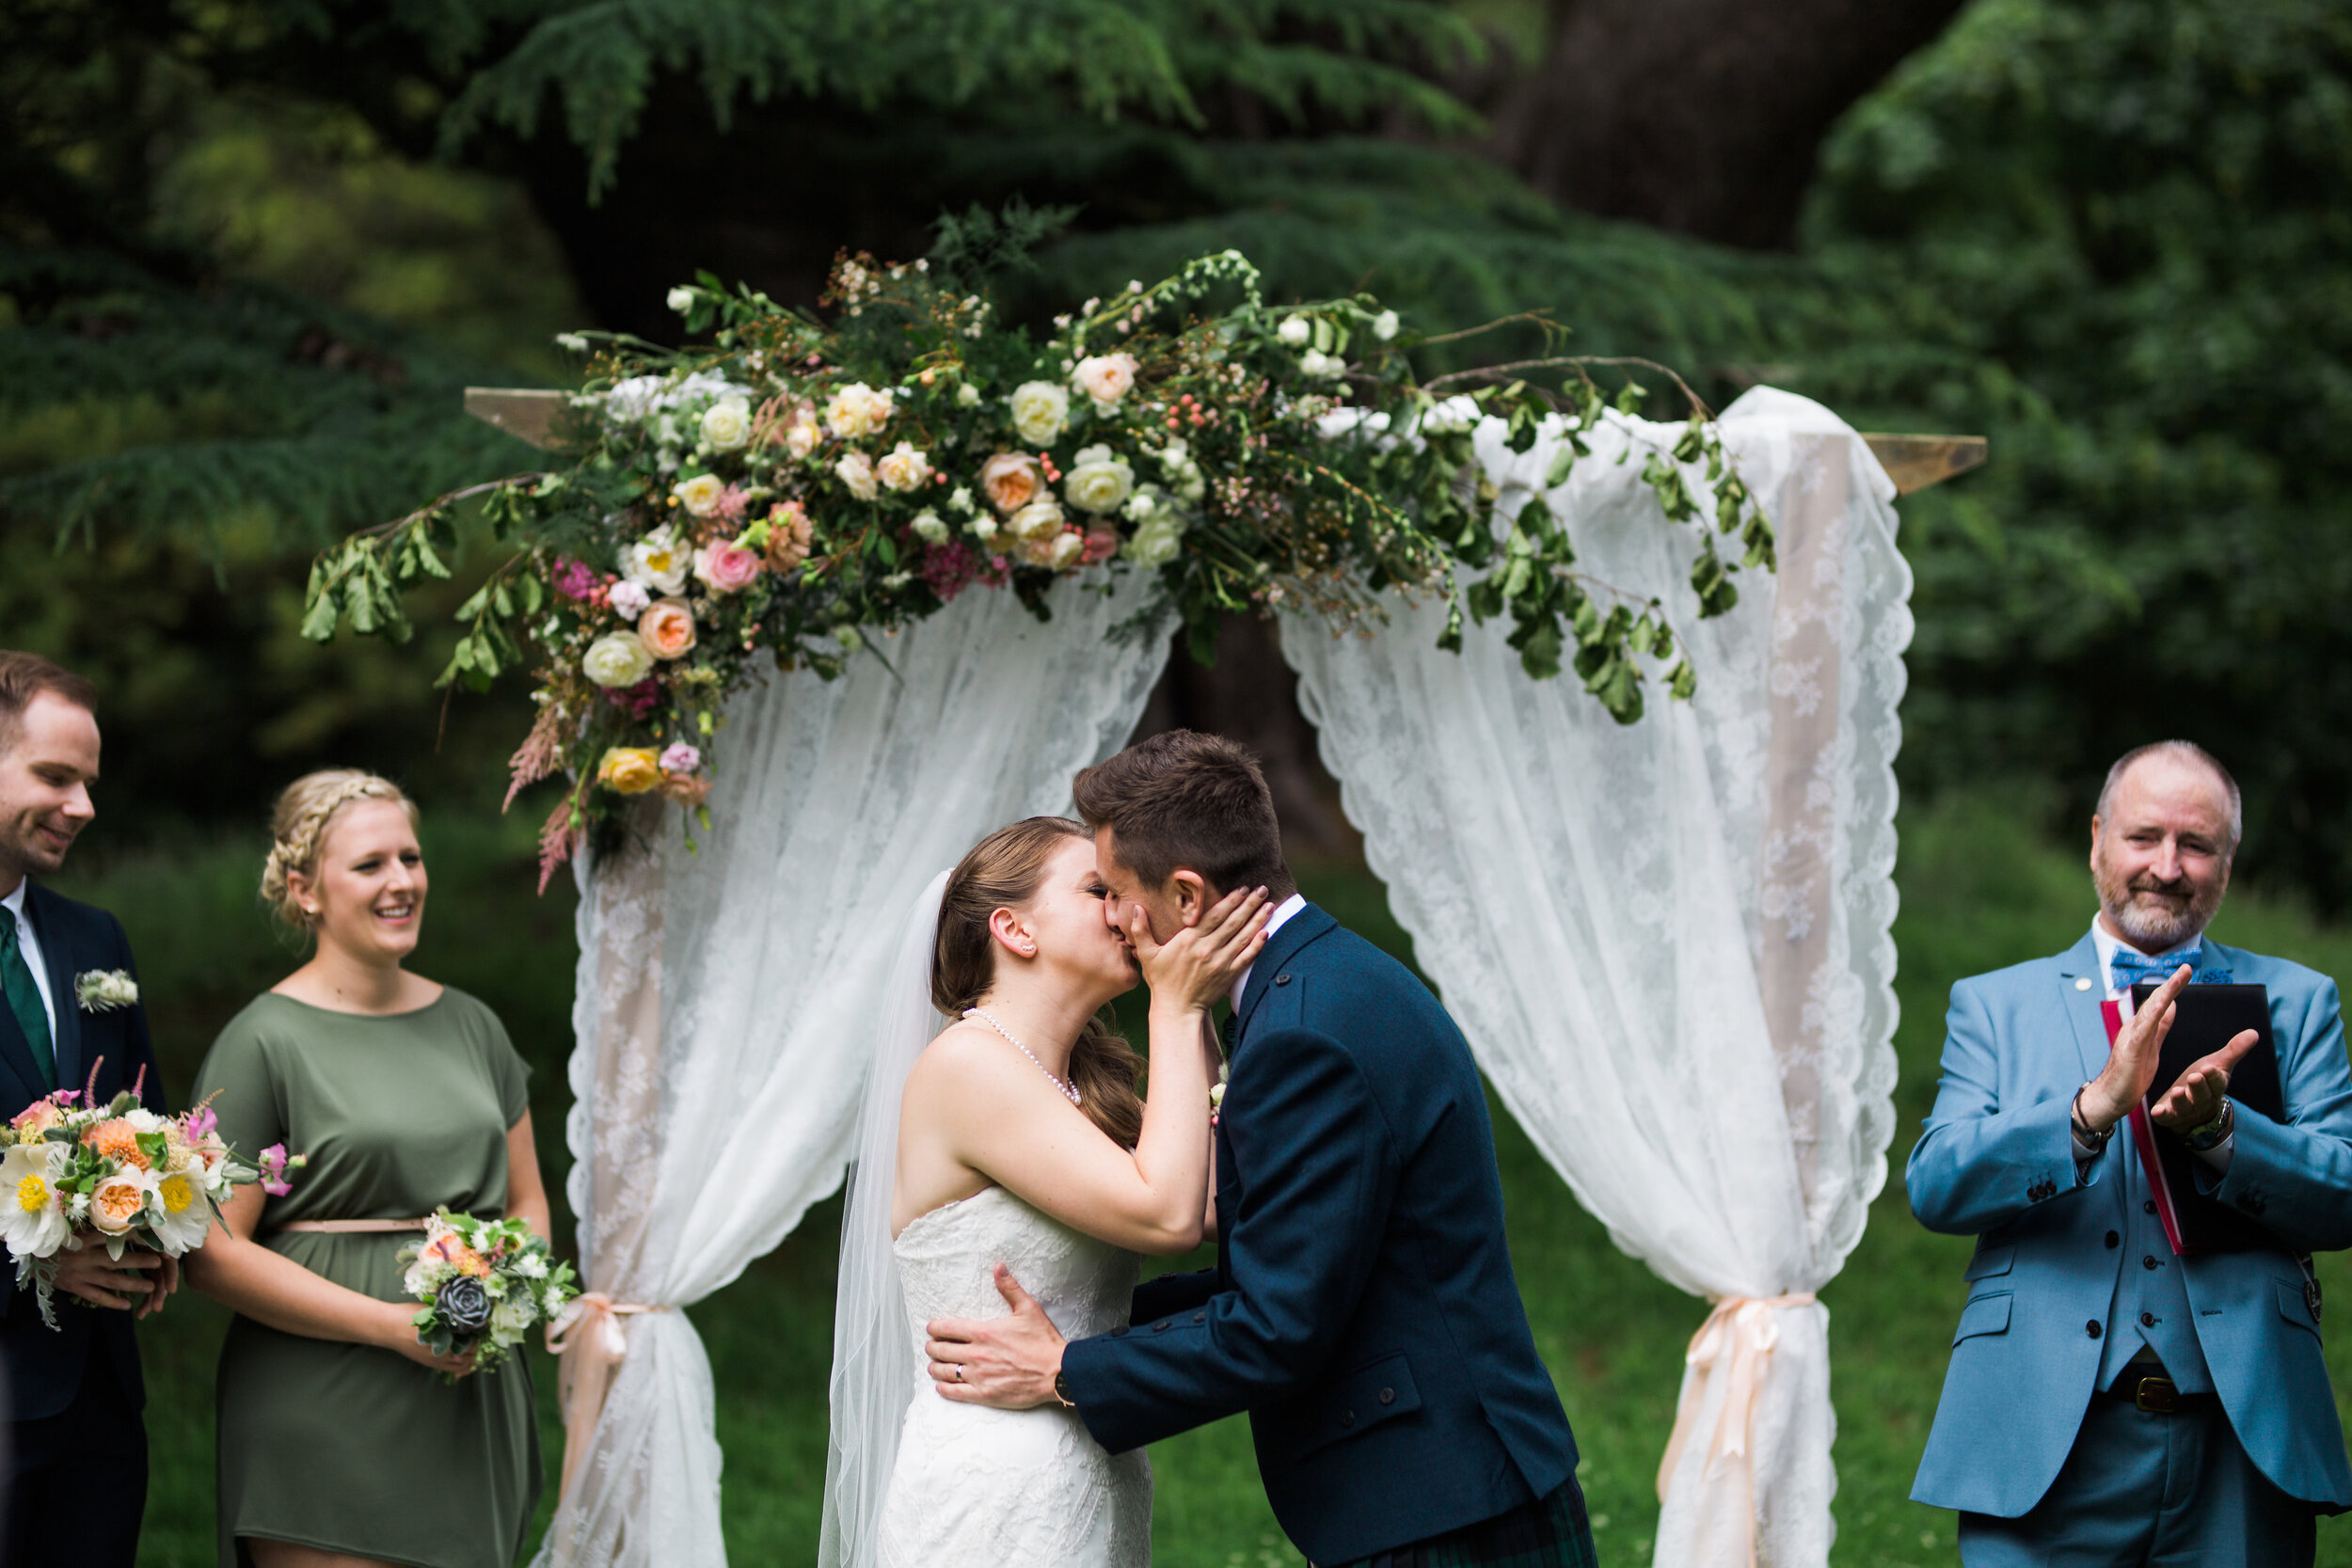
(1067, 548)
(1106, 378)
(681, 300)
(857, 471)
(802, 439)
(727, 425)
(857, 410)
(617, 658)
(959, 498)
(1294, 330)
(1098, 481)
(904, 468)
(1141, 505)
(967, 396)
(1037, 520)
(511, 1318)
(1157, 542)
(982, 527)
(700, 495)
(1040, 409)
(929, 529)
(1177, 453)
(1384, 326)
(660, 559)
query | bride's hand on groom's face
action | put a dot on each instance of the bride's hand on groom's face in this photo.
(1198, 964)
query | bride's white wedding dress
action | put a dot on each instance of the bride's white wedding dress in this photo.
(981, 1488)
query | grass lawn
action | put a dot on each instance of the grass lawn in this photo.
(1978, 892)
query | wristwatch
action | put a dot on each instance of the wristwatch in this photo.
(2213, 1134)
(1061, 1391)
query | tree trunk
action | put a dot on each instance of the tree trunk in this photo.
(1702, 116)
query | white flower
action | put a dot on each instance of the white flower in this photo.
(904, 468)
(959, 498)
(629, 600)
(511, 1318)
(1141, 505)
(179, 1212)
(1040, 409)
(681, 300)
(1106, 378)
(531, 1266)
(802, 439)
(850, 639)
(983, 527)
(1312, 362)
(727, 425)
(1333, 365)
(1038, 520)
(32, 1220)
(1098, 481)
(1294, 330)
(857, 471)
(617, 658)
(967, 396)
(571, 343)
(642, 396)
(660, 559)
(102, 990)
(700, 495)
(1156, 543)
(929, 527)
(857, 410)
(1384, 326)
(1067, 548)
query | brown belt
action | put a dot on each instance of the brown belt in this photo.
(351, 1227)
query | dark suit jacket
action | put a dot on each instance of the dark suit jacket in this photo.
(1362, 1309)
(44, 1366)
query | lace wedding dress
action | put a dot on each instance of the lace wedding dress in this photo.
(982, 1488)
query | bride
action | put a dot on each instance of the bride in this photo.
(1022, 1161)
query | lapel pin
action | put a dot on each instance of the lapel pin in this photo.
(2082, 982)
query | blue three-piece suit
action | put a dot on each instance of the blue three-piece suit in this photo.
(2073, 1279)
(1363, 1308)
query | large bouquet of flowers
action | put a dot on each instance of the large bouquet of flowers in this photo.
(798, 489)
(485, 1284)
(115, 1176)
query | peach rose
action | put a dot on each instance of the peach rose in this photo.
(667, 629)
(629, 769)
(790, 534)
(904, 466)
(725, 568)
(1106, 378)
(1010, 481)
(117, 1203)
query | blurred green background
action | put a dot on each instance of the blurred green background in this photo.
(252, 251)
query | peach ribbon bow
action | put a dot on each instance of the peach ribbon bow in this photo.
(588, 1341)
(1739, 1330)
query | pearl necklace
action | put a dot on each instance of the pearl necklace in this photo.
(989, 1019)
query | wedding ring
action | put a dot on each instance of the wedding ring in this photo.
(959, 1371)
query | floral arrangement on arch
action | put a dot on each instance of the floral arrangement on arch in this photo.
(799, 488)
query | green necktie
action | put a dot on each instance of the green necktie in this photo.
(16, 978)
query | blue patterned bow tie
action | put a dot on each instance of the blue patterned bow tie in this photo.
(2130, 969)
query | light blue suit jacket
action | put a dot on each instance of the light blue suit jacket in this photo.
(1997, 1163)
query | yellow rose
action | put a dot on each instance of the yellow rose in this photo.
(629, 769)
(700, 495)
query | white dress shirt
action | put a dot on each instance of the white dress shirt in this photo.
(29, 946)
(1283, 911)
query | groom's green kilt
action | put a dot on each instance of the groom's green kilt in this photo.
(1551, 1532)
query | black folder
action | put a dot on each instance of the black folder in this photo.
(2206, 1018)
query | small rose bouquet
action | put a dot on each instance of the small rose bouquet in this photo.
(485, 1284)
(77, 1174)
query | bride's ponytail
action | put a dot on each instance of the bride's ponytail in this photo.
(1006, 867)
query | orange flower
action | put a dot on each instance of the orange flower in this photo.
(667, 629)
(789, 536)
(1011, 480)
(117, 1140)
(465, 1259)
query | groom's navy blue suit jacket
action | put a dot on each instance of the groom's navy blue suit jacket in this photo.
(44, 1365)
(1362, 1309)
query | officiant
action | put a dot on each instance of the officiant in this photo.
(2111, 1399)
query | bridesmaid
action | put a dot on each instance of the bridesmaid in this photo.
(341, 1442)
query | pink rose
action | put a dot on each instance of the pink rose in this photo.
(726, 568)
(679, 757)
(667, 629)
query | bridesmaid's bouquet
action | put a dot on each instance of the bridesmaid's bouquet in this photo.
(116, 1176)
(485, 1284)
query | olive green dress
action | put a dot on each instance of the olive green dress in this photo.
(347, 1447)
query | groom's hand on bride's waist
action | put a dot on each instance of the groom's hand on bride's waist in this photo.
(1010, 1362)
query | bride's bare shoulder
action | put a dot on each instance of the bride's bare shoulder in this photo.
(965, 1059)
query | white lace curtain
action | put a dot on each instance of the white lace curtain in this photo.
(1668, 945)
(1668, 942)
(726, 999)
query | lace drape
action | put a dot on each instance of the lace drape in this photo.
(726, 999)
(1668, 942)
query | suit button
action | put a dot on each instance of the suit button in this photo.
(1388, 1396)
(1282, 979)
(1163, 1325)
(2114, 1239)
(1199, 1317)
(2147, 1320)
(2148, 1207)
(2091, 1328)
(1348, 1418)
(2149, 1262)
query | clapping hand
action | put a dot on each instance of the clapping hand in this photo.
(2194, 1100)
(1197, 965)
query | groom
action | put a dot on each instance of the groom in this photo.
(76, 1445)
(1362, 1309)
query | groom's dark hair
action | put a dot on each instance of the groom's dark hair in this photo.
(1191, 802)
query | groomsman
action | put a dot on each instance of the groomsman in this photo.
(77, 1443)
(2108, 1401)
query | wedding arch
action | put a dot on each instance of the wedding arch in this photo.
(1667, 940)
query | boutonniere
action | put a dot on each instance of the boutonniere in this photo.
(1216, 1094)
(102, 990)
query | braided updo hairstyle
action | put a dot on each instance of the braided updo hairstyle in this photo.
(298, 823)
(1004, 869)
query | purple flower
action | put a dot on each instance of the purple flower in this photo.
(638, 700)
(273, 1167)
(681, 759)
(573, 579)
